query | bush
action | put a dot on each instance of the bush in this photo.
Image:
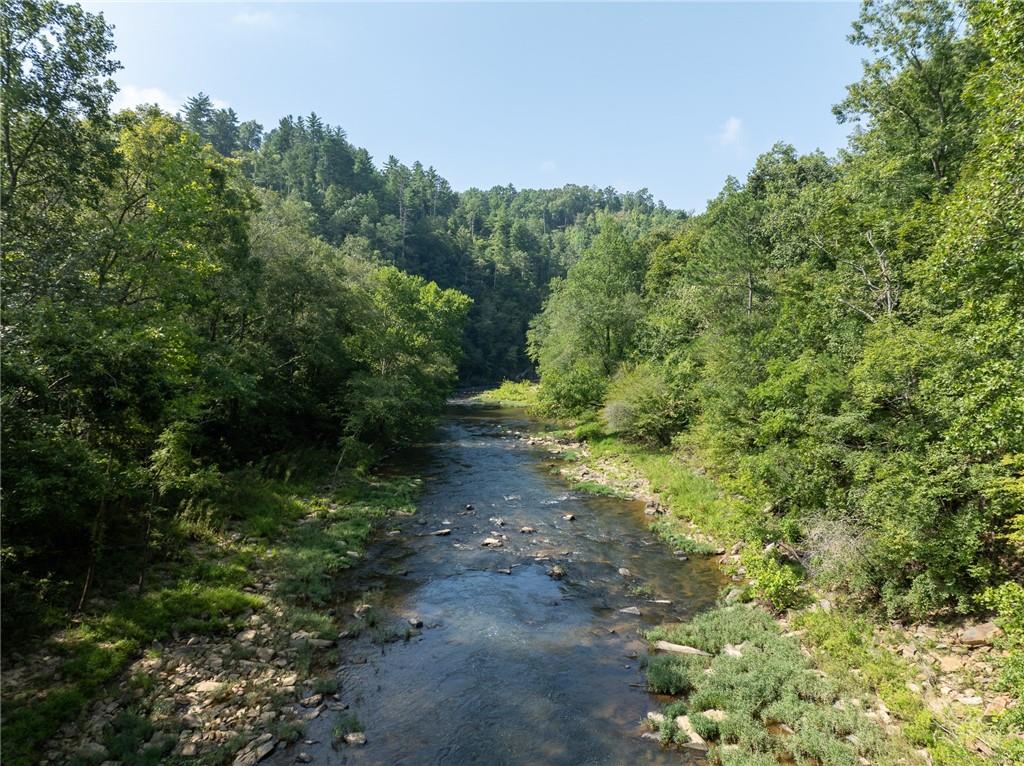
(643, 405)
(776, 582)
(573, 390)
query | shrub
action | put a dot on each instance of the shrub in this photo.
(573, 390)
(776, 582)
(642, 405)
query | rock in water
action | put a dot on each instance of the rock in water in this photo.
(491, 542)
(556, 572)
(624, 572)
(442, 532)
(631, 610)
(355, 738)
(527, 530)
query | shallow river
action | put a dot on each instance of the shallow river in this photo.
(511, 666)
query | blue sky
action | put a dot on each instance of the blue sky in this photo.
(672, 97)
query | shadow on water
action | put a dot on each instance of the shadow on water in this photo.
(511, 666)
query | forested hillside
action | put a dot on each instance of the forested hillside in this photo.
(501, 247)
(186, 295)
(842, 339)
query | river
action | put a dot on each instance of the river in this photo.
(511, 665)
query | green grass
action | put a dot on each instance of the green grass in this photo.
(597, 488)
(203, 593)
(846, 648)
(687, 494)
(771, 684)
(512, 394)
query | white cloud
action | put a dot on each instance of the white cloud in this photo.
(130, 96)
(731, 133)
(254, 18)
(548, 166)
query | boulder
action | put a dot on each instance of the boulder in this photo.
(668, 646)
(631, 610)
(980, 635)
(696, 742)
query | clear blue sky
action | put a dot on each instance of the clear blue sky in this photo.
(672, 97)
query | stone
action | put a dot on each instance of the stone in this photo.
(980, 635)
(972, 700)
(355, 738)
(208, 687)
(312, 700)
(527, 530)
(656, 718)
(630, 610)
(441, 532)
(246, 636)
(569, 517)
(188, 750)
(950, 663)
(92, 752)
(715, 715)
(304, 757)
(416, 622)
(696, 742)
(469, 507)
(556, 572)
(265, 653)
(491, 542)
(668, 646)
(625, 572)
(733, 595)
(730, 650)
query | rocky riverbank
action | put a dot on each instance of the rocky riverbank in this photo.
(936, 688)
(241, 664)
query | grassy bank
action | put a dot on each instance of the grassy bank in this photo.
(270, 546)
(910, 712)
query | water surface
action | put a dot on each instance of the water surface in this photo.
(511, 666)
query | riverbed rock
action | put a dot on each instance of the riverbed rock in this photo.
(569, 517)
(441, 532)
(416, 622)
(625, 572)
(92, 752)
(634, 610)
(950, 663)
(668, 646)
(355, 738)
(556, 572)
(696, 742)
(491, 542)
(980, 635)
(527, 530)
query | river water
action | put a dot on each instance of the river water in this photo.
(511, 666)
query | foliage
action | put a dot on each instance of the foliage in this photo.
(166, 323)
(775, 581)
(762, 682)
(521, 393)
(839, 340)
